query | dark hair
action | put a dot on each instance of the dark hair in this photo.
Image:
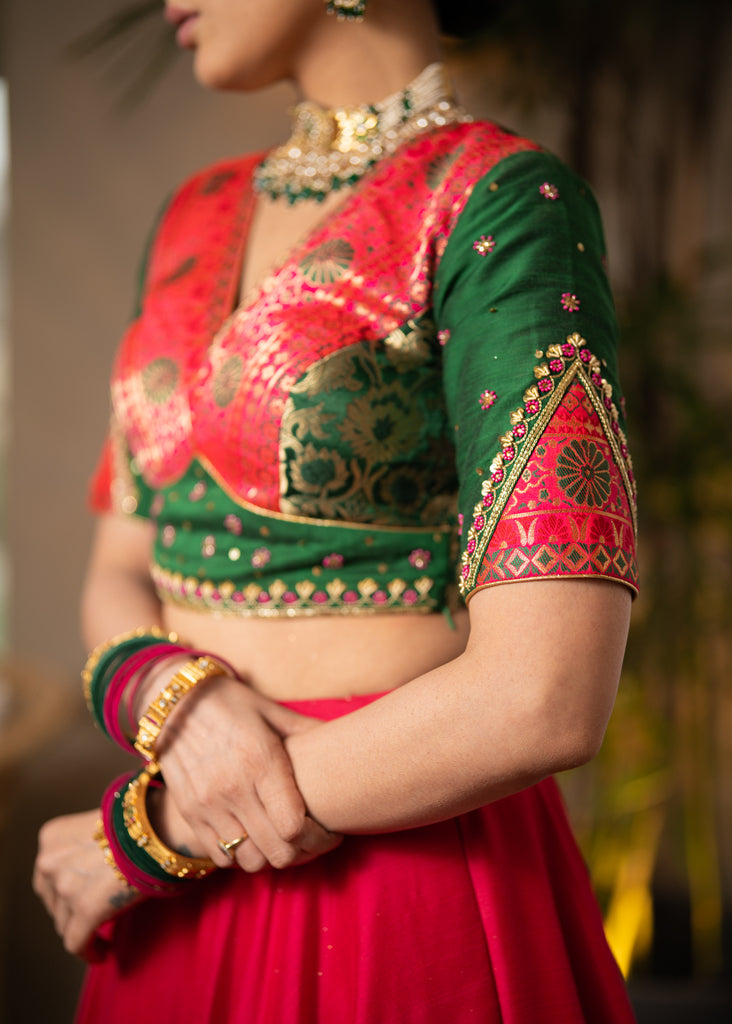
(464, 18)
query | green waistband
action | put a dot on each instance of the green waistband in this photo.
(213, 554)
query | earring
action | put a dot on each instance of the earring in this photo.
(354, 10)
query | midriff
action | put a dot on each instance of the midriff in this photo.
(317, 657)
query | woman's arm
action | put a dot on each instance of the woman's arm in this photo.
(118, 594)
(530, 696)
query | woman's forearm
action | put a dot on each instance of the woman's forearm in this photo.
(115, 601)
(530, 696)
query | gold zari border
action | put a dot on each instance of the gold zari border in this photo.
(282, 600)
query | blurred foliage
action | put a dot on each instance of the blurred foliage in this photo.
(137, 45)
(643, 85)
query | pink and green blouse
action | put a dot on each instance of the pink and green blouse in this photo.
(420, 401)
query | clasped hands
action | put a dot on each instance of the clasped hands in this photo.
(227, 775)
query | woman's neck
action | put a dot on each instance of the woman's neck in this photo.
(349, 64)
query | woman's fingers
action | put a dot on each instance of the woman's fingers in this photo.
(287, 722)
(227, 773)
(75, 883)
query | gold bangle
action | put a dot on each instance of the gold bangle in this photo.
(184, 680)
(138, 826)
(87, 673)
(100, 838)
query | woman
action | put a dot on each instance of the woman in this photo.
(334, 339)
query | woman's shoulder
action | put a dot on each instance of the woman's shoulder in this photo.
(467, 152)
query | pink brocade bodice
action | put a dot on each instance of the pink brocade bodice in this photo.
(440, 350)
(194, 379)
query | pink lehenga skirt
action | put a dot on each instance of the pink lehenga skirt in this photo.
(486, 918)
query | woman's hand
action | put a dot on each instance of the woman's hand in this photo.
(228, 775)
(76, 884)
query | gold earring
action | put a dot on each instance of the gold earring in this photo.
(353, 10)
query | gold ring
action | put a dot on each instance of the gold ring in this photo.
(228, 848)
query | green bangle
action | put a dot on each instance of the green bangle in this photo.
(105, 659)
(139, 828)
(134, 852)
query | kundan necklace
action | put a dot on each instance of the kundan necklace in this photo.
(332, 148)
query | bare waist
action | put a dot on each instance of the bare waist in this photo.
(325, 656)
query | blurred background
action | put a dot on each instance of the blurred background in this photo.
(96, 130)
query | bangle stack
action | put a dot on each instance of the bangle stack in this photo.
(141, 857)
(111, 678)
(118, 666)
(137, 824)
(100, 838)
(184, 680)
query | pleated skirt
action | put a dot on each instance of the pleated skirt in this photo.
(486, 918)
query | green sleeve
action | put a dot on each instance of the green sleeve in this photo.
(526, 318)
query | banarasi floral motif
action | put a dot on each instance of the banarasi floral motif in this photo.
(582, 470)
(226, 381)
(487, 399)
(361, 436)
(328, 262)
(570, 302)
(159, 380)
(549, 191)
(408, 346)
(484, 245)
(583, 474)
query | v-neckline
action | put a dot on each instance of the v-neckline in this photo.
(236, 304)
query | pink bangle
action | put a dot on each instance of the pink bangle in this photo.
(132, 670)
(132, 874)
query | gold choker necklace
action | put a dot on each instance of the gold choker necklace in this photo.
(329, 149)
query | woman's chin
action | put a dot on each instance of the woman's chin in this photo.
(227, 79)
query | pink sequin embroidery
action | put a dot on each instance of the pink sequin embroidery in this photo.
(334, 561)
(260, 558)
(484, 245)
(570, 302)
(419, 558)
(549, 191)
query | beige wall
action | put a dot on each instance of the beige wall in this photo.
(87, 183)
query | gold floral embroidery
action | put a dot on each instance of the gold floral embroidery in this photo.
(378, 429)
(318, 471)
(409, 346)
(361, 438)
(305, 597)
